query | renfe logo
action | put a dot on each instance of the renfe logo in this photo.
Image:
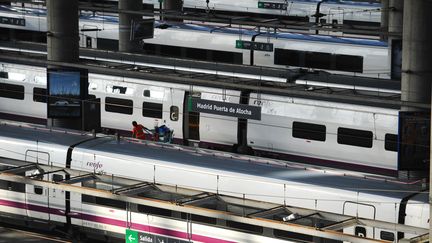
(95, 165)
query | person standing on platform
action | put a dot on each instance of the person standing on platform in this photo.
(138, 130)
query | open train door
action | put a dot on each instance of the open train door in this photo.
(191, 135)
(37, 196)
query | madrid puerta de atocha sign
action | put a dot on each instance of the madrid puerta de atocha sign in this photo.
(133, 236)
(224, 108)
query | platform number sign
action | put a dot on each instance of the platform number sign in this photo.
(131, 236)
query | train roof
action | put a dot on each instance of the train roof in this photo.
(216, 29)
(250, 167)
(213, 162)
(41, 134)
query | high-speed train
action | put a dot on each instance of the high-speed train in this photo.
(353, 13)
(198, 169)
(312, 131)
(340, 55)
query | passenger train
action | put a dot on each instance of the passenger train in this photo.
(224, 174)
(352, 13)
(321, 132)
(340, 55)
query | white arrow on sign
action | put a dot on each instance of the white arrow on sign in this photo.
(131, 239)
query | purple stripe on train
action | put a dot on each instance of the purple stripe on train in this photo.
(113, 222)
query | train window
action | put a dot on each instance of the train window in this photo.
(288, 57)
(391, 142)
(355, 137)
(103, 201)
(226, 57)
(154, 211)
(360, 231)
(107, 44)
(200, 219)
(245, 227)
(119, 89)
(12, 91)
(170, 51)
(291, 235)
(39, 95)
(4, 74)
(385, 235)
(318, 60)
(153, 110)
(38, 190)
(349, 63)
(116, 105)
(150, 49)
(146, 93)
(196, 54)
(174, 113)
(12, 186)
(57, 177)
(309, 131)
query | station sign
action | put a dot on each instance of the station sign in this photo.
(133, 236)
(225, 108)
(256, 46)
(12, 21)
(272, 5)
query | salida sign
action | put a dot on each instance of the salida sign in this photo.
(133, 236)
(224, 108)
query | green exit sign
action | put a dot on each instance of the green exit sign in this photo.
(131, 236)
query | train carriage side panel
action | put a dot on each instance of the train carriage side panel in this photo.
(280, 114)
(338, 55)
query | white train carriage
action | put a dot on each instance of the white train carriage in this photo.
(334, 11)
(360, 57)
(155, 103)
(279, 133)
(325, 133)
(339, 55)
(222, 173)
(123, 100)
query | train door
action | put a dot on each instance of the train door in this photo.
(336, 17)
(190, 121)
(37, 196)
(57, 199)
(360, 210)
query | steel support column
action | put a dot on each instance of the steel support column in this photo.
(172, 5)
(126, 43)
(384, 19)
(63, 43)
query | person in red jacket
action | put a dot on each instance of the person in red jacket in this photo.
(138, 130)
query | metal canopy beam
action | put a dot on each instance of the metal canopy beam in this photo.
(81, 178)
(133, 189)
(21, 169)
(329, 234)
(341, 225)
